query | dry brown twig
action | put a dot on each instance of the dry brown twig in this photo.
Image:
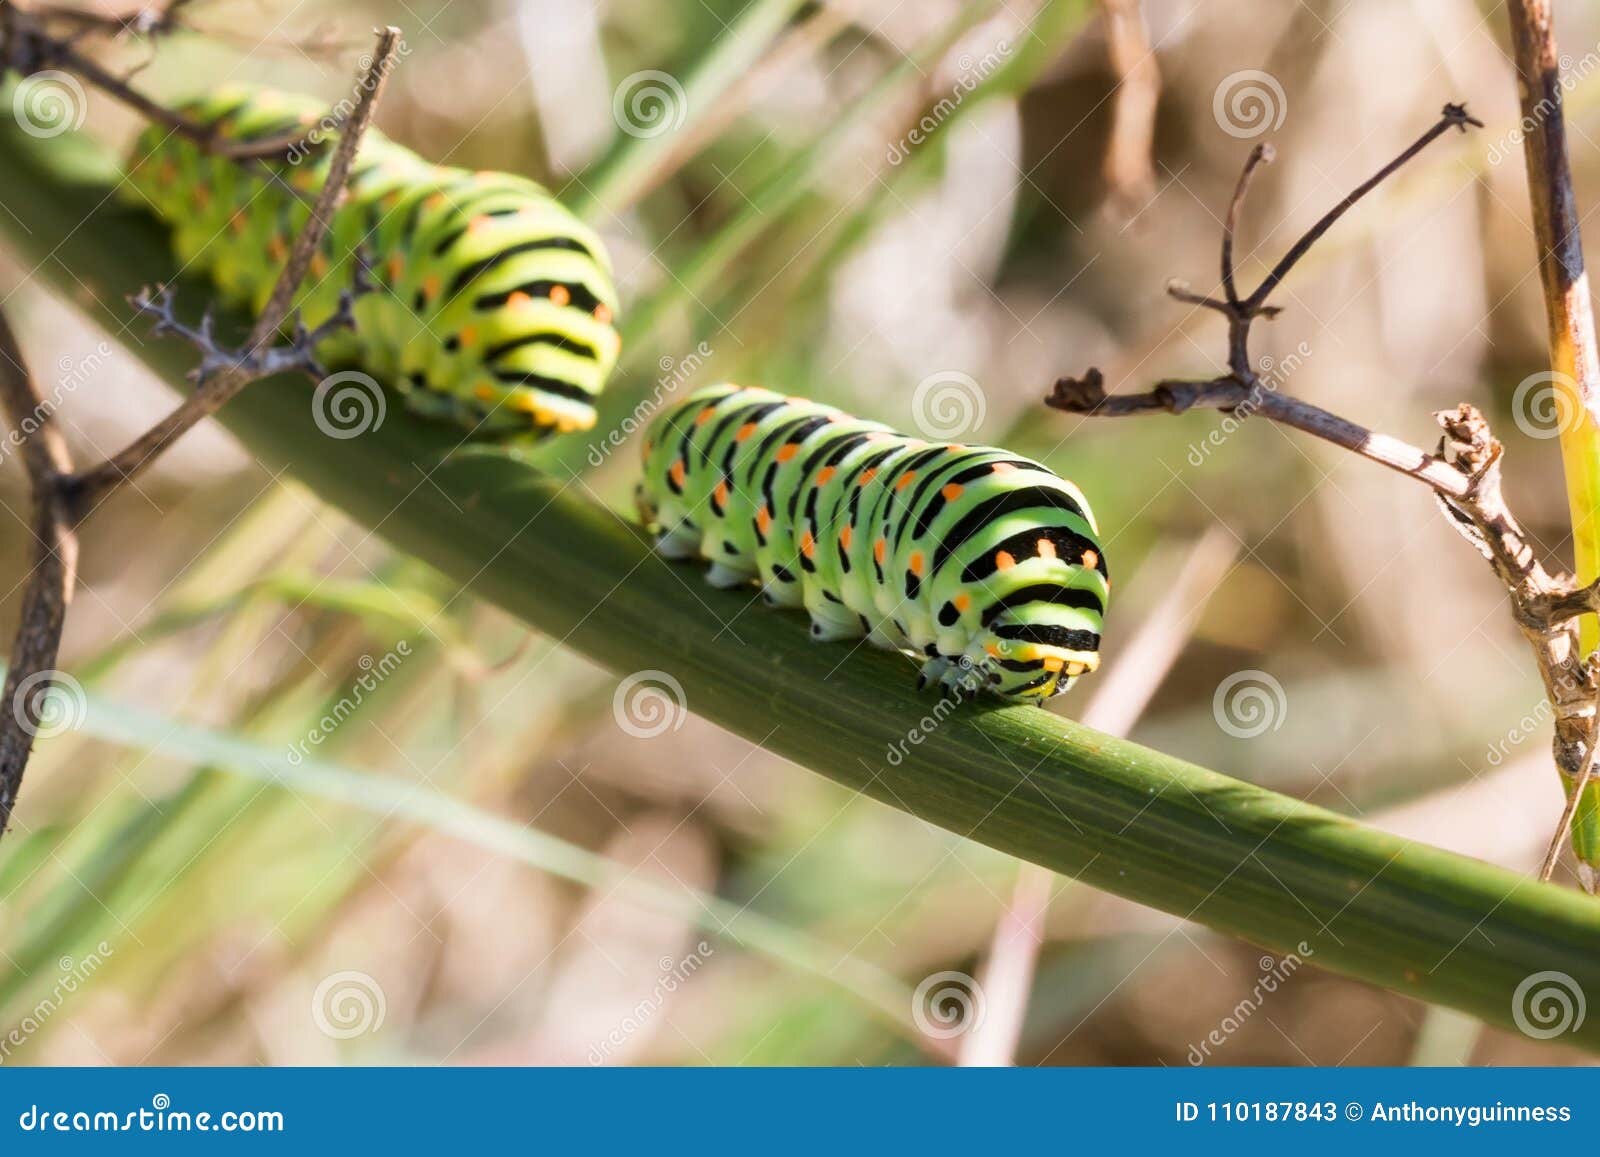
(35, 39)
(64, 497)
(1464, 471)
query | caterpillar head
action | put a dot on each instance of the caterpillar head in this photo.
(1033, 655)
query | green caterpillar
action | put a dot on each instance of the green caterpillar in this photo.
(494, 304)
(985, 564)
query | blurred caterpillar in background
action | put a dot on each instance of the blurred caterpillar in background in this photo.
(494, 304)
(985, 564)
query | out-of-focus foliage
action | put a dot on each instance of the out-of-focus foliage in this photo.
(844, 201)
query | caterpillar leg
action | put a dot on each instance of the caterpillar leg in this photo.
(725, 577)
(680, 543)
(832, 623)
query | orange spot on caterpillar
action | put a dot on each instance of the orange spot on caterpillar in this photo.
(704, 415)
(915, 563)
(962, 602)
(435, 201)
(319, 264)
(951, 491)
(397, 264)
(764, 520)
(519, 299)
(787, 451)
(845, 536)
(808, 545)
(202, 195)
(744, 432)
(1002, 467)
(479, 224)
(866, 476)
(469, 335)
(238, 222)
(720, 494)
(167, 173)
(1003, 560)
(430, 286)
(484, 393)
(1047, 549)
(994, 650)
(560, 294)
(277, 248)
(905, 480)
(879, 549)
(602, 313)
(823, 475)
(1054, 663)
(1091, 559)
(677, 472)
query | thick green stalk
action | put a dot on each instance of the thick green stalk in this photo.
(1136, 822)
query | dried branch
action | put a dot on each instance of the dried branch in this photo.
(1573, 348)
(31, 669)
(1464, 473)
(1129, 168)
(235, 370)
(63, 497)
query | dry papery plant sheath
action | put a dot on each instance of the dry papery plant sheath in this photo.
(1463, 472)
(63, 496)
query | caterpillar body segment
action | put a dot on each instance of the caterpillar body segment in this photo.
(494, 305)
(984, 564)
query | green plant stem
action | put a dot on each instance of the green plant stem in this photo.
(1136, 822)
